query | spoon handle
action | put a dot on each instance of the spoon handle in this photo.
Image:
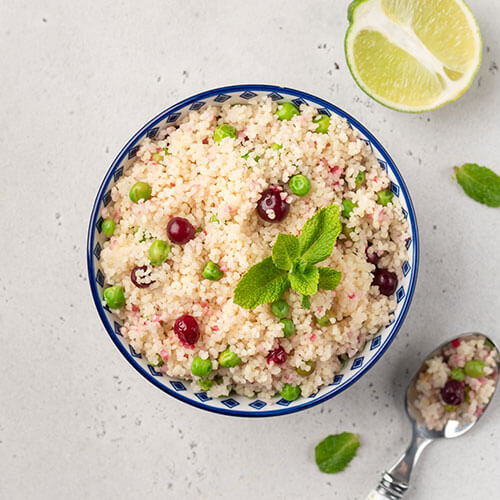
(395, 482)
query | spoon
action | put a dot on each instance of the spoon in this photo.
(396, 480)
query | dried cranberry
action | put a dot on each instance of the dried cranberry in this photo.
(180, 230)
(187, 329)
(386, 281)
(271, 207)
(277, 356)
(453, 392)
(371, 255)
(139, 273)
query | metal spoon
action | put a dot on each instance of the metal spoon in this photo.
(395, 482)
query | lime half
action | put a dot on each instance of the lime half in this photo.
(413, 55)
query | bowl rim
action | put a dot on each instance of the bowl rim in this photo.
(181, 105)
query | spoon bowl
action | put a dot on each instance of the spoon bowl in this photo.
(453, 428)
(395, 482)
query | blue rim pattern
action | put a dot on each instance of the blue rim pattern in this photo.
(201, 400)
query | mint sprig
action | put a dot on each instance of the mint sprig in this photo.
(329, 279)
(335, 452)
(480, 183)
(304, 277)
(293, 264)
(262, 283)
(285, 251)
(318, 235)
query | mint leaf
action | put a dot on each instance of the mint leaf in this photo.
(480, 183)
(285, 251)
(304, 277)
(306, 302)
(319, 234)
(262, 283)
(329, 279)
(335, 452)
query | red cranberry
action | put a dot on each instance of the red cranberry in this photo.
(277, 356)
(371, 255)
(386, 281)
(271, 207)
(453, 392)
(187, 329)
(139, 273)
(180, 230)
(455, 343)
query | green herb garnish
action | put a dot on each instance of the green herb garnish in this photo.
(335, 452)
(160, 361)
(480, 183)
(293, 264)
(214, 219)
(489, 344)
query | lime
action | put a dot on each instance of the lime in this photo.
(412, 55)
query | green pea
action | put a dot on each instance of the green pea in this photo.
(348, 207)
(347, 231)
(223, 131)
(140, 191)
(300, 185)
(205, 383)
(286, 111)
(114, 297)
(288, 327)
(304, 373)
(108, 227)
(360, 179)
(323, 122)
(280, 308)
(450, 408)
(458, 374)
(201, 367)
(158, 252)
(384, 197)
(290, 392)
(212, 272)
(229, 359)
(276, 146)
(474, 368)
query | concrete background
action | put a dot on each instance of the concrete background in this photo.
(76, 421)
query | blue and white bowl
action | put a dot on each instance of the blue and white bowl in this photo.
(239, 405)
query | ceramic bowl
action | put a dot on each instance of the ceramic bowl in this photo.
(239, 405)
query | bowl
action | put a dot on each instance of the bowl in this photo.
(240, 405)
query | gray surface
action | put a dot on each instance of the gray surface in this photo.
(76, 421)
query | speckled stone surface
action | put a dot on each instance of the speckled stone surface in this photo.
(76, 421)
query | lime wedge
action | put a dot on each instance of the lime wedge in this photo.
(413, 55)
